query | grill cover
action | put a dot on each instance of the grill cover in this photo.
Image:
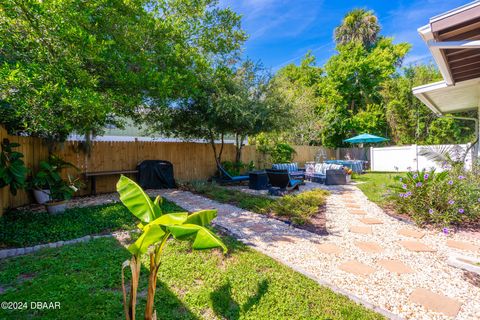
(155, 174)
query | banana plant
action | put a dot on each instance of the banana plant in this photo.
(157, 228)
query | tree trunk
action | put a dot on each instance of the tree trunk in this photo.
(238, 147)
(135, 266)
(152, 286)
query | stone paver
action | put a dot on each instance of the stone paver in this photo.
(371, 221)
(330, 248)
(416, 246)
(358, 212)
(361, 230)
(462, 245)
(395, 266)
(378, 279)
(435, 302)
(357, 268)
(411, 233)
(353, 206)
(370, 247)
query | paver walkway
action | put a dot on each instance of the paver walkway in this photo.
(382, 261)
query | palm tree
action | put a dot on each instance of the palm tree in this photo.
(358, 25)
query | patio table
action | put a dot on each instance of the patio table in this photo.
(355, 165)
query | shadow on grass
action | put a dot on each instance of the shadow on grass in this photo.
(225, 306)
(85, 279)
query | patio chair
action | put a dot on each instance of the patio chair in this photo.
(225, 177)
(292, 168)
(281, 179)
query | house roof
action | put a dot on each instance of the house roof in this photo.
(453, 38)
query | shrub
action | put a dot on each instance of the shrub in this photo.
(235, 168)
(444, 198)
(300, 208)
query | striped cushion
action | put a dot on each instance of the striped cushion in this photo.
(285, 166)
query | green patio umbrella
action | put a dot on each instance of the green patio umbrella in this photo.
(365, 138)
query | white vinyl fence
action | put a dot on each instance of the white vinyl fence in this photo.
(403, 158)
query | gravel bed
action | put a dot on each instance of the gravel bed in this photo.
(382, 289)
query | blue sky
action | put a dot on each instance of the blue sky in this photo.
(282, 31)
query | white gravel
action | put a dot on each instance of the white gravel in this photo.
(383, 289)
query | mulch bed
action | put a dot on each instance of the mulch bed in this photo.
(317, 224)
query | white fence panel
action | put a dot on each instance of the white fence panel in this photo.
(401, 158)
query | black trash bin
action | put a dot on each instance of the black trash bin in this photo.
(156, 174)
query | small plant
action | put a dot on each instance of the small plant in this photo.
(50, 173)
(300, 208)
(12, 168)
(157, 228)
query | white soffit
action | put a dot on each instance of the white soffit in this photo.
(442, 98)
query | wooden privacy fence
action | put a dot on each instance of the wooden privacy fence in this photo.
(191, 161)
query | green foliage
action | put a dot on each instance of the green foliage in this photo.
(27, 228)
(50, 177)
(274, 146)
(12, 168)
(300, 208)
(410, 121)
(157, 228)
(247, 285)
(445, 198)
(76, 66)
(358, 26)
(236, 168)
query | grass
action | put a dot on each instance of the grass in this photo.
(298, 208)
(85, 279)
(375, 184)
(25, 228)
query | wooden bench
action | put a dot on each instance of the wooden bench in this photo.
(93, 176)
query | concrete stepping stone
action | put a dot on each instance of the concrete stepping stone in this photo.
(411, 233)
(395, 266)
(259, 228)
(358, 212)
(353, 206)
(369, 247)
(371, 221)
(462, 245)
(416, 246)
(435, 302)
(330, 248)
(287, 239)
(361, 230)
(356, 268)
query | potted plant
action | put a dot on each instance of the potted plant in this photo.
(48, 175)
(12, 168)
(60, 192)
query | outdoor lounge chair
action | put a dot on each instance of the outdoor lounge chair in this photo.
(292, 168)
(227, 178)
(281, 179)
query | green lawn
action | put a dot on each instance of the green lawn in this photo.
(375, 185)
(85, 279)
(21, 229)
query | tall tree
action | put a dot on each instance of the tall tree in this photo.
(73, 66)
(409, 120)
(359, 26)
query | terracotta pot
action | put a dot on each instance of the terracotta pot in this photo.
(41, 196)
(55, 207)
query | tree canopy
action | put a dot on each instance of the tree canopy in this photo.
(74, 66)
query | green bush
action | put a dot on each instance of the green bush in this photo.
(444, 198)
(236, 168)
(282, 153)
(300, 208)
